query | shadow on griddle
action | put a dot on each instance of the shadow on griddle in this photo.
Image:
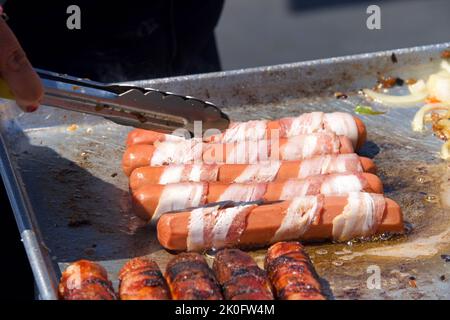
(326, 288)
(79, 215)
(370, 149)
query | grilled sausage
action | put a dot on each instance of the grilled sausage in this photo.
(150, 201)
(85, 280)
(338, 122)
(240, 276)
(247, 152)
(291, 272)
(243, 173)
(303, 218)
(141, 279)
(190, 278)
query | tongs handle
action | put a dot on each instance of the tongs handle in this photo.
(134, 106)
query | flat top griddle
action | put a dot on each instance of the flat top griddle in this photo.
(63, 175)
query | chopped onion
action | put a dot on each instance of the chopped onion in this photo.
(396, 101)
(417, 123)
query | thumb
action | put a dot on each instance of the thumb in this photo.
(17, 71)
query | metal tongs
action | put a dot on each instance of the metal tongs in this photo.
(129, 105)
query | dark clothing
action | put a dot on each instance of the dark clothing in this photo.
(17, 279)
(119, 41)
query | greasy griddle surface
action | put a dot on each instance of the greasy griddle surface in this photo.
(73, 178)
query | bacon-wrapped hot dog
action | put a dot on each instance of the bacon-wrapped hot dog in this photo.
(260, 172)
(304, 218)
(240, 276)
(150, 201)
(339, 123)
(247, 152)
(291, 272)
(141, 279)
(85, 280)
(190, 278)
(142, 136)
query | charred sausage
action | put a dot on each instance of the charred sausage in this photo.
(291, 272)
(85, 280)
(190, 278)
(141, 279)
(240, 276)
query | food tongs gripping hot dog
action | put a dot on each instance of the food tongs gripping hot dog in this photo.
(129, 105)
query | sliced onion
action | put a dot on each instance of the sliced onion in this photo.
(396, 101)
(438, 86)
(445, 66)
(418, 121)
(420, 87)
(444, 123)
(445, 150)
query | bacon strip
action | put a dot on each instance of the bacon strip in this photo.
(177, 152)
(303, 124)
(343, 184)
(302, 212)
(330, 164)
(180, 196)
(244, 152)
(240, 192)
(306, 146)
(341, 123)
(361, 216)
(260, 172)
(296, 188)
(216, 228)
(189, 172)
(241, 131)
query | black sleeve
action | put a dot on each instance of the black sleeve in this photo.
(124, 40)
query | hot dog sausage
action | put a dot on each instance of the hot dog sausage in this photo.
(291, 272)
(150, 201)
(193, 151)
(337, 122)
(141, 279)
(303, 218)
(141, 136)
(243, 173)
(190, 278)
(240, 276)
(85, 280)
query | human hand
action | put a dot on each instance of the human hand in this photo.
(17, 71)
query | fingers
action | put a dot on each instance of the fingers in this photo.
(17, 71)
